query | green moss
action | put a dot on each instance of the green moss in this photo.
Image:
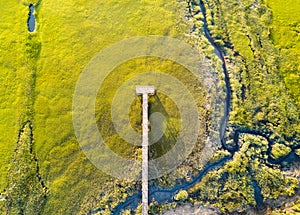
(181, 195)
(26, 193)
(279, 150)
(219, 155)
(231, 186)
(296, 207)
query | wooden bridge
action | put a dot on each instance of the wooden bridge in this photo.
(145, 91)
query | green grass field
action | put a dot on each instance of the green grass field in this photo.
(38, 75)
(158, 103)
(285, 33)
(13, 67)
(39, 70)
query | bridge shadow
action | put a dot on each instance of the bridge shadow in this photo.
(171, 134)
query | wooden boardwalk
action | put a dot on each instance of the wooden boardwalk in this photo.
(145, 91)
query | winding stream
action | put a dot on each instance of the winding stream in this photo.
(220, 53)
(166, 195)
(161, 195)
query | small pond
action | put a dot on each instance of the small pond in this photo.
(31, 19)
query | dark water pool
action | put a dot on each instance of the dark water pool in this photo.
(31, 19)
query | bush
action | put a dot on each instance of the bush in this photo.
(181, 195)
